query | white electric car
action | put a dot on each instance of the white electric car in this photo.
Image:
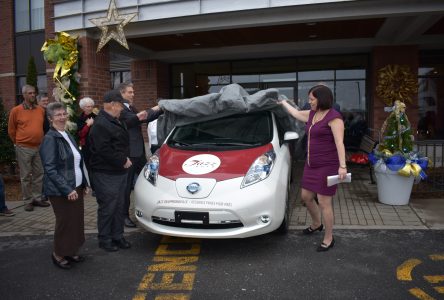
(223, 178)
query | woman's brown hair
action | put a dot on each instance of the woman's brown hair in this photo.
(324, 96)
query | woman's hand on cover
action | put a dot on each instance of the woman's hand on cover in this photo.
(73, 196)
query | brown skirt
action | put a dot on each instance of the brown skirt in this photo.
(69, 233)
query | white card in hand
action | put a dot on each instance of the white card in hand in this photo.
(332, 180)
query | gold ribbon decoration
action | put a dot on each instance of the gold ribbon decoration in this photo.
(62, 51)
(396, 82)
(410, 169)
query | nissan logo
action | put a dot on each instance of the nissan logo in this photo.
(193, 187)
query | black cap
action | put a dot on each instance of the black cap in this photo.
(113, 96)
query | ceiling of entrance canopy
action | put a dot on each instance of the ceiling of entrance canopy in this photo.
(352, 29)
(352, 35)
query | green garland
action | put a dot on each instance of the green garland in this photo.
(63, 52)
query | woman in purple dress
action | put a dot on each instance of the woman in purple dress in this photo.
(325, 157)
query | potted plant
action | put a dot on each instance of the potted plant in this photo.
(395, 163)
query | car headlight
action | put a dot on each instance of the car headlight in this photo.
(151, 170)
(260, 169)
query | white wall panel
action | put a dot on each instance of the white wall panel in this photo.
(169, 10)
(142, 2)
(212, 6)
(275, 3)
(68, 23)
(67, 8)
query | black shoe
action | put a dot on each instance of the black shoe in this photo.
(76, 258)
(310, 230)
(323, 246)
(40, 203)
(63, 264)
(108, 246)
(29, 207)
(122, 243)
(129, 223)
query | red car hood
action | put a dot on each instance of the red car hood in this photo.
(233, 163)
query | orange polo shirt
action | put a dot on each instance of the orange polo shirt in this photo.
(25, 126)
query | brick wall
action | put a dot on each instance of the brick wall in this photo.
(382, 56)
(7, 56)
(49, 34)
(94, 70)
(151, 82)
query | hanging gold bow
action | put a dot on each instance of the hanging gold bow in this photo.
(62, 51)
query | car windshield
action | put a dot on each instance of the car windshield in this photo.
(233, 132)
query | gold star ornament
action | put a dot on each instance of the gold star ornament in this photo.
(112, 26)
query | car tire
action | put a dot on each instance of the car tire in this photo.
(283, 228)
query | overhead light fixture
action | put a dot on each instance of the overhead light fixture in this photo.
(313, 36)
(311, 24)
(196, 44)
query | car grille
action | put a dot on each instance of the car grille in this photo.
(219, 225)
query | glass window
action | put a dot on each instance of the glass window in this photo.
(431, 96)
(350, 95)
(350, 74)
(21, 81)
(117, 77)
(21, 15)
(278, 77)
(42, 83)
(316, 75)
(245, 78)
(37, 14)
(431, 106)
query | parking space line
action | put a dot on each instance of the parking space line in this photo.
(436, 256)
(434, 278)
(404, 271)
(420, 294)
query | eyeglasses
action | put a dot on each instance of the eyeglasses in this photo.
(61, 115)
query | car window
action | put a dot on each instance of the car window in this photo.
(233, 132)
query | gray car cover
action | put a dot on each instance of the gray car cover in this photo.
(232, 99)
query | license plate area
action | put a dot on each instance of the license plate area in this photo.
(192, 217)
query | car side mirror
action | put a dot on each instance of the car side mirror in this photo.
(290, 135)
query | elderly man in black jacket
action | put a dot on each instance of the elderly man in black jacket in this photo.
(133, 120)
(109, 162)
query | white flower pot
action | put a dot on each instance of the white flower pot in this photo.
(393, 189)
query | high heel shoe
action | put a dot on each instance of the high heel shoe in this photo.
(63, 264)
(310, 230)
(323, 246)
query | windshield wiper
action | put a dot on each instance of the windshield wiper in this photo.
(228, 144)
(177, 143)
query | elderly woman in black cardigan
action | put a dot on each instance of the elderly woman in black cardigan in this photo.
(64, 183)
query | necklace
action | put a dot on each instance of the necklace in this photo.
(318, 117)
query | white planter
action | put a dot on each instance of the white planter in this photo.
(393, 189)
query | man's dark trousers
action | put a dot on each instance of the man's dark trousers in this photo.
(137, 165)
(110, 197)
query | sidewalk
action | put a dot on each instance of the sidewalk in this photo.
(356, 206)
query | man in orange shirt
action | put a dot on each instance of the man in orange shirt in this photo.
(25, 128)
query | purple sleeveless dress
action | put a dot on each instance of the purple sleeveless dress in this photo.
(322, 156)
